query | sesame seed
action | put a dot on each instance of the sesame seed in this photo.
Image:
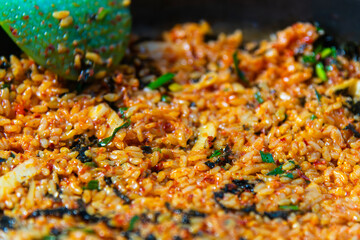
(61, 14)
(66, 21)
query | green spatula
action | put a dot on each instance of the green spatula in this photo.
(68, 36)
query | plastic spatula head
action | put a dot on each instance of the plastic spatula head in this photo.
(68, 36)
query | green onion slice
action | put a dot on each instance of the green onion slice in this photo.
(266, 157)
(239, 73)
(107, 140)
(161, 81)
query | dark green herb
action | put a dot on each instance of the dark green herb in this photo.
(101, 15)
(289, 175)
(326, 52)
(161, 81)
(276, 171)
(266, 157)
(320, 71)
(309, 58)
(239, 73)
(259, 98)
(122, 111)
(92, 185)
(133, 220)
(6, 85)
(157, 149)
(85, 230)
(12, 155)
(313, 117)
(216, 153)
(165, 98)
(50, 237)
(289, 207)
(285, 117)
(107, 140)
(318, 95)
(90, 164)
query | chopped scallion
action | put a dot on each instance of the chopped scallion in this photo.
(288, 175)
(92, 185)
(320, 71)
(157, 149)
(239, 73)
(266, 157)
(313, 117)
(309, 58)
(259, 98)
(165, 98)
(49, 237)
(161, 81)
(290, 207)
(276, 171)
(325, 52)
(122, 111)
(101, 15)
(318, 95)
(216, 153)
(90, 164)
(133, 220)
(107, 140)
(6, 85)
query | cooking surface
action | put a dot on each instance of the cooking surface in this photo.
(257, 18)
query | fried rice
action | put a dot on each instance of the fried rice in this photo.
(267, 148)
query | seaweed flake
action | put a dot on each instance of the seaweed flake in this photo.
(146, 149)
(210, 164)
(76, 212)
(352, 129)
(7, 223)
(278, 214)
(190, 214)
(150, 237)
(121, 195)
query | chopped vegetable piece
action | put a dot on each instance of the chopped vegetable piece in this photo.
(266, 157)
(313, 117)
(318, 95)
(290, 207)
(309, 58)
(157, 150)
(49, 237)
(326, 52)
(90, 164)
(216, 153)
(92, 185)
(289, 175)
(276, 171)
(107, 140)
(165, 98)
(101, 15)
(258, 97)
(122, 111)
(6, 85)
(175, 87)
(85, 230)
(239, 73)
(133, 220)
(320, 71)
(161, 81)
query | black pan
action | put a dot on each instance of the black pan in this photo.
(257, 18)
